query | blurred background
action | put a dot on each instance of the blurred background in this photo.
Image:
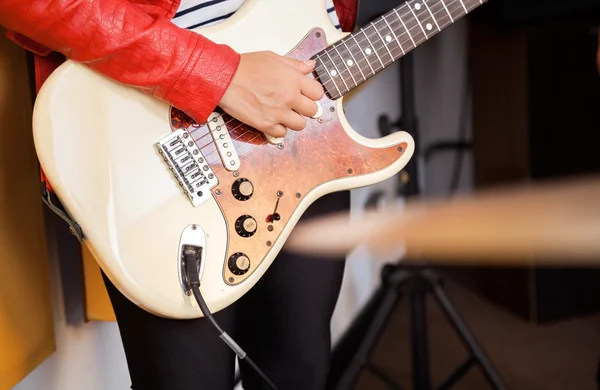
(509, 94)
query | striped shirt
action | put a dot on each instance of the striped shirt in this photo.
(199, 13)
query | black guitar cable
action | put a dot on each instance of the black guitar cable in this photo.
(192, 268)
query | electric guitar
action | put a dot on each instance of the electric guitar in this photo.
(145, 183)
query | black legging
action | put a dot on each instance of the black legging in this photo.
(283, 323)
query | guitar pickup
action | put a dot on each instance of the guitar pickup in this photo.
(220, 133)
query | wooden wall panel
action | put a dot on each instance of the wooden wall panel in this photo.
(97, 303)
(26, 322)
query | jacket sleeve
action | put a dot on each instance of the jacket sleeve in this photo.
(121, 41)
(347, 11)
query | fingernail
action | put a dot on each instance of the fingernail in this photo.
(309, 62)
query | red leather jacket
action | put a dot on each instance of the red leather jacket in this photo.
(135, 42)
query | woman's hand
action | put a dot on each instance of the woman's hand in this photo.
(270, 93)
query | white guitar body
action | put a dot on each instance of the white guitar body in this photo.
(96, 141)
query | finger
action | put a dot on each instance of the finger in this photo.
(303, 66)
(276, 131)
(312, 89)
(293, 121)
(305, 106)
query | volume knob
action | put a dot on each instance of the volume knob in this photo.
(242, 189)
(238, 263)
(245, 226)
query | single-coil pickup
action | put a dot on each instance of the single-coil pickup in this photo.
(188, 165)
(220, 133)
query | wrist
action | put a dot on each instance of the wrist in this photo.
(204, 78)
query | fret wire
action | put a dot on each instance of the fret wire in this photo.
(338, 71)
(363, 53)
(408, 6)
(378, 48)
(406, 28)
(418, 21)
(382, 47)
(321, 62)
(344, 60)
(446, 8)
(324, 81)
(346, 65)
(387, 30)
(330, 77)
(440, 13)
(394, 34)
(366, 61)
(376, 41)
(344, 52)
(424, 19)
(463, 4)
(401, 20)
(343, 41)
(335, 69)
(437, 11)
(382, 40)
(458, 7)
(432, 17)
(400, 46)
(373, 46)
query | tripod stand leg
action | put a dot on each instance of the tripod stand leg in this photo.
(418, 330)
(392, 293)
(477, 354)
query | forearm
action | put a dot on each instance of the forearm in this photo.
(119, 40)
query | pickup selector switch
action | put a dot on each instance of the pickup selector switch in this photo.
(245, 226)
(238, 263)
(242, 189)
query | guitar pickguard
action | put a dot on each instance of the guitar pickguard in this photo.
(260, 198)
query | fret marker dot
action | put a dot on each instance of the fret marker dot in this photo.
(334, 72)
(418, 6)
(368, 51)
(350, 62)
(388, 38)
(429, 26)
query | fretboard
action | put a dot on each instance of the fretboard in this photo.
(367, 51)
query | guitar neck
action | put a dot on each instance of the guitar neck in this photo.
(369, 50)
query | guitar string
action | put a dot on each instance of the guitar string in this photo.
(415, 25)
(439, 6)
(383, 45)
(259, 134)
(443, 10)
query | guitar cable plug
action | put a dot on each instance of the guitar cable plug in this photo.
(192, 269)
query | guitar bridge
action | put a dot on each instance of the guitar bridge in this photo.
(188, 165)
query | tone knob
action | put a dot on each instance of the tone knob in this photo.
(246, 226)
(238, 263)
(242, 189)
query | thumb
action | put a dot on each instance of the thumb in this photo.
(304, 66)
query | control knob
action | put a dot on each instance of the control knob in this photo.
(242, 189)
(238, 263)
(246, 226)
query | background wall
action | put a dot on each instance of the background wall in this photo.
(90, 356)
(26, 333)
